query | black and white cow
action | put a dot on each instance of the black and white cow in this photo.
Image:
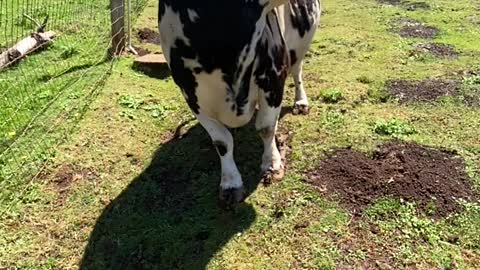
(230, 56)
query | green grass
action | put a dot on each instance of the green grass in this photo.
(43, 94)
(331, 95)
(121, 194)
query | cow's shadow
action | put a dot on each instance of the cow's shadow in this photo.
(169, 216)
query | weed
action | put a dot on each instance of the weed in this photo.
(472, 80)
(394, 128)
(331, 95)
(332, 118)
(130, 102)
(470, 90)
(397, 215)
(68, 51)
(157, 110)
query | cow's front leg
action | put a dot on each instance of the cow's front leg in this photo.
(266, 125)
(231, 185)
(301, 100)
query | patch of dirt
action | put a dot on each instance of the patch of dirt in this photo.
(148, 35)
(66, 175)
(427, 90)
(409, 28)
(439, 50)
(472, 100)
(430, 177)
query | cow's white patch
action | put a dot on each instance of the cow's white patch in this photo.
(192, 15)
(191, 63)
(231, 177)
(212, 94)
(171, 29)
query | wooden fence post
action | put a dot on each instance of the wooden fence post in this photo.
(117, 9)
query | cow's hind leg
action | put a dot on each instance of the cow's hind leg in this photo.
(266, 124)
(231, 185)
(301, 100)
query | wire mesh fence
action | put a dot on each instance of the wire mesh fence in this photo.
(54, 56)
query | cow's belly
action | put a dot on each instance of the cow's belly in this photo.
(217, 103)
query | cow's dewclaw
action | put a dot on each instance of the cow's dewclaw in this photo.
(300, 109)
(272, 176)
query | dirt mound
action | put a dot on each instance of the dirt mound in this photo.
(432, 178)
(439, 50)
(409, 28)
(407, 91)
(148, 35)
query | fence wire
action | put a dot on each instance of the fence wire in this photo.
(44, 94)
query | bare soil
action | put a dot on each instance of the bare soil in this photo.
(407, 91)
(439, 50)
(409, 28)
(432, 178)
(149, 36)
(66, 176)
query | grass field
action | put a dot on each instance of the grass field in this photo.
(124, 193)
(43, 95)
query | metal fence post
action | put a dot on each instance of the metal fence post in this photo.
(118, 26)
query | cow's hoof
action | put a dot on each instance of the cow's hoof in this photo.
(231, 196)
(301, 109)
(272, 176)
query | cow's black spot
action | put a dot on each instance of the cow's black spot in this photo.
(293, 57)
(300, 16)
(242, 96)
(197, 70)
(183, 76)
(272, 58)
(221, 147)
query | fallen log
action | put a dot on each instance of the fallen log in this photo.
(24, 47)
